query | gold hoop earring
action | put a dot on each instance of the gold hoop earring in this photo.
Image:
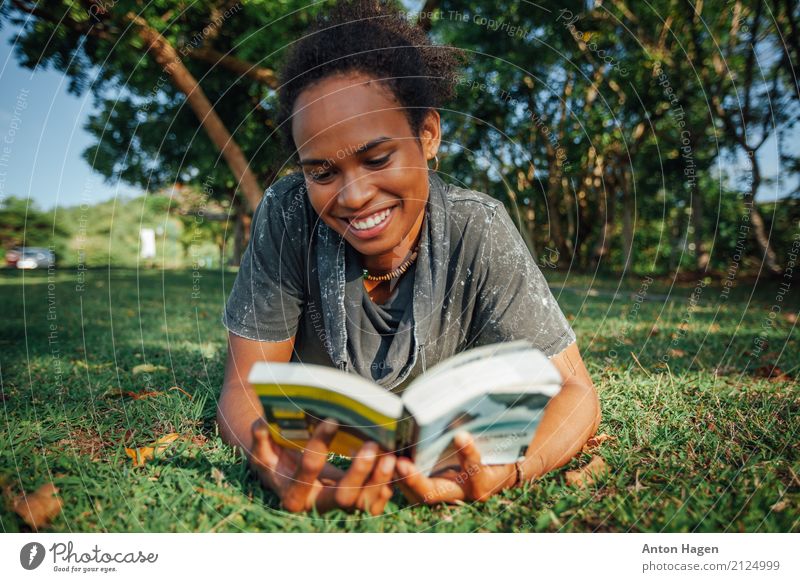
(436, 163)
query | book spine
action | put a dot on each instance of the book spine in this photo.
(407, 435)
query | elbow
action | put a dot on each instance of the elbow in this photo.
(597, 418)
(597, 415)
(223, 420)
(585, 398)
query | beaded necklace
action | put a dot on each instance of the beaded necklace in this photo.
(394, 274)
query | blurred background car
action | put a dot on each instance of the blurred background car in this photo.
(30, 258)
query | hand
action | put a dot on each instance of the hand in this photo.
(473, 482)
(305, 480)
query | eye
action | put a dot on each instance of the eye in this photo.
(378, 162)
(320, 175)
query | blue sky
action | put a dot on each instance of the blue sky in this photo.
(43, 160)
(47, 138)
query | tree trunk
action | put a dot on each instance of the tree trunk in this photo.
(553, 212)
(701, 253)
(628, 211)
(166, 56)
(605, 202)
(241, 234)
(569, 240)
(759, 229)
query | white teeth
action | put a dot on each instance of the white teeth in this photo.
(371, 221)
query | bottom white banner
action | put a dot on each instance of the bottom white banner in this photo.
(349, 557)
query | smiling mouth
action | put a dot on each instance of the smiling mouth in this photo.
(370, 226)
(372, 220)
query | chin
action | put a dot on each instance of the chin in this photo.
(372, 247)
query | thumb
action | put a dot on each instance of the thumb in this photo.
(468, 453)
(262, 451)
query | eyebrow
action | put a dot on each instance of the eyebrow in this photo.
(359, 150)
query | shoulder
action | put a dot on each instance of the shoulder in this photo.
(473, 213)
(466, 201)
(285, 206)
(287, 193)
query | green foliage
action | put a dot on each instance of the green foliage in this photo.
(108, 234)
(599, 122)
(23, 224)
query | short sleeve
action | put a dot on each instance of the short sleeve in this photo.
(268, 295)
(513, 300)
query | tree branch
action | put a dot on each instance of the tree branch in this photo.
(236, 65)
(167, 57)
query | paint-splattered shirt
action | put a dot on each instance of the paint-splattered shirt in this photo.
(474, 283)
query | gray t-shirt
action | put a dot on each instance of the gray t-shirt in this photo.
(474, 283)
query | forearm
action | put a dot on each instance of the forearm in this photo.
(569, 419)
(237, 410)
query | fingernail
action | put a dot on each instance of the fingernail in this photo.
(387, 464)
(461, 439)
(329, 426)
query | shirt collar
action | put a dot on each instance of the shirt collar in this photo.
(429, 283)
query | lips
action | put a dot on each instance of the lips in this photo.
(370, 225)
(371, 220)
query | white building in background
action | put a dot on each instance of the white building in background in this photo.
(147, 243)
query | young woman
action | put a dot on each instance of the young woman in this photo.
(369, 262)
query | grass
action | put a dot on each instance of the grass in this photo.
(704, 439)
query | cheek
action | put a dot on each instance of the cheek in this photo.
(321, 200)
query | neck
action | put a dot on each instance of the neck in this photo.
(394, 258)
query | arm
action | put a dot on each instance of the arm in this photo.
(569, 419)
(238, 406)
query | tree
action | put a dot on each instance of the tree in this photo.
(99, 46)
(23, 224)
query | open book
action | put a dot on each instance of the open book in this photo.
(497, 393)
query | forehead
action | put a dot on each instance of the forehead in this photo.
(343, 112)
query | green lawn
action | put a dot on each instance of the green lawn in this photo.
(703, 442)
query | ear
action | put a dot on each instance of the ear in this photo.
(430, 135)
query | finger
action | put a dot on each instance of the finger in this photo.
(298, 494)
(379, 505)
(350, 486)
(262, 453)
(423, 489)
(468, 454)
(374, 495)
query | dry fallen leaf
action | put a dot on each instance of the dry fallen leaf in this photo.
(677, 353)
(120, 393)
(586, 475)
(779, 506)
(772, 373)
(37, 509)
(218, 476)
(595, 441)
(141, 455)
(147, 369)
(143, 394)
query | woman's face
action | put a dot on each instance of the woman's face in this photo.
(366, 172)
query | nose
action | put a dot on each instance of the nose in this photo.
(356, 193)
